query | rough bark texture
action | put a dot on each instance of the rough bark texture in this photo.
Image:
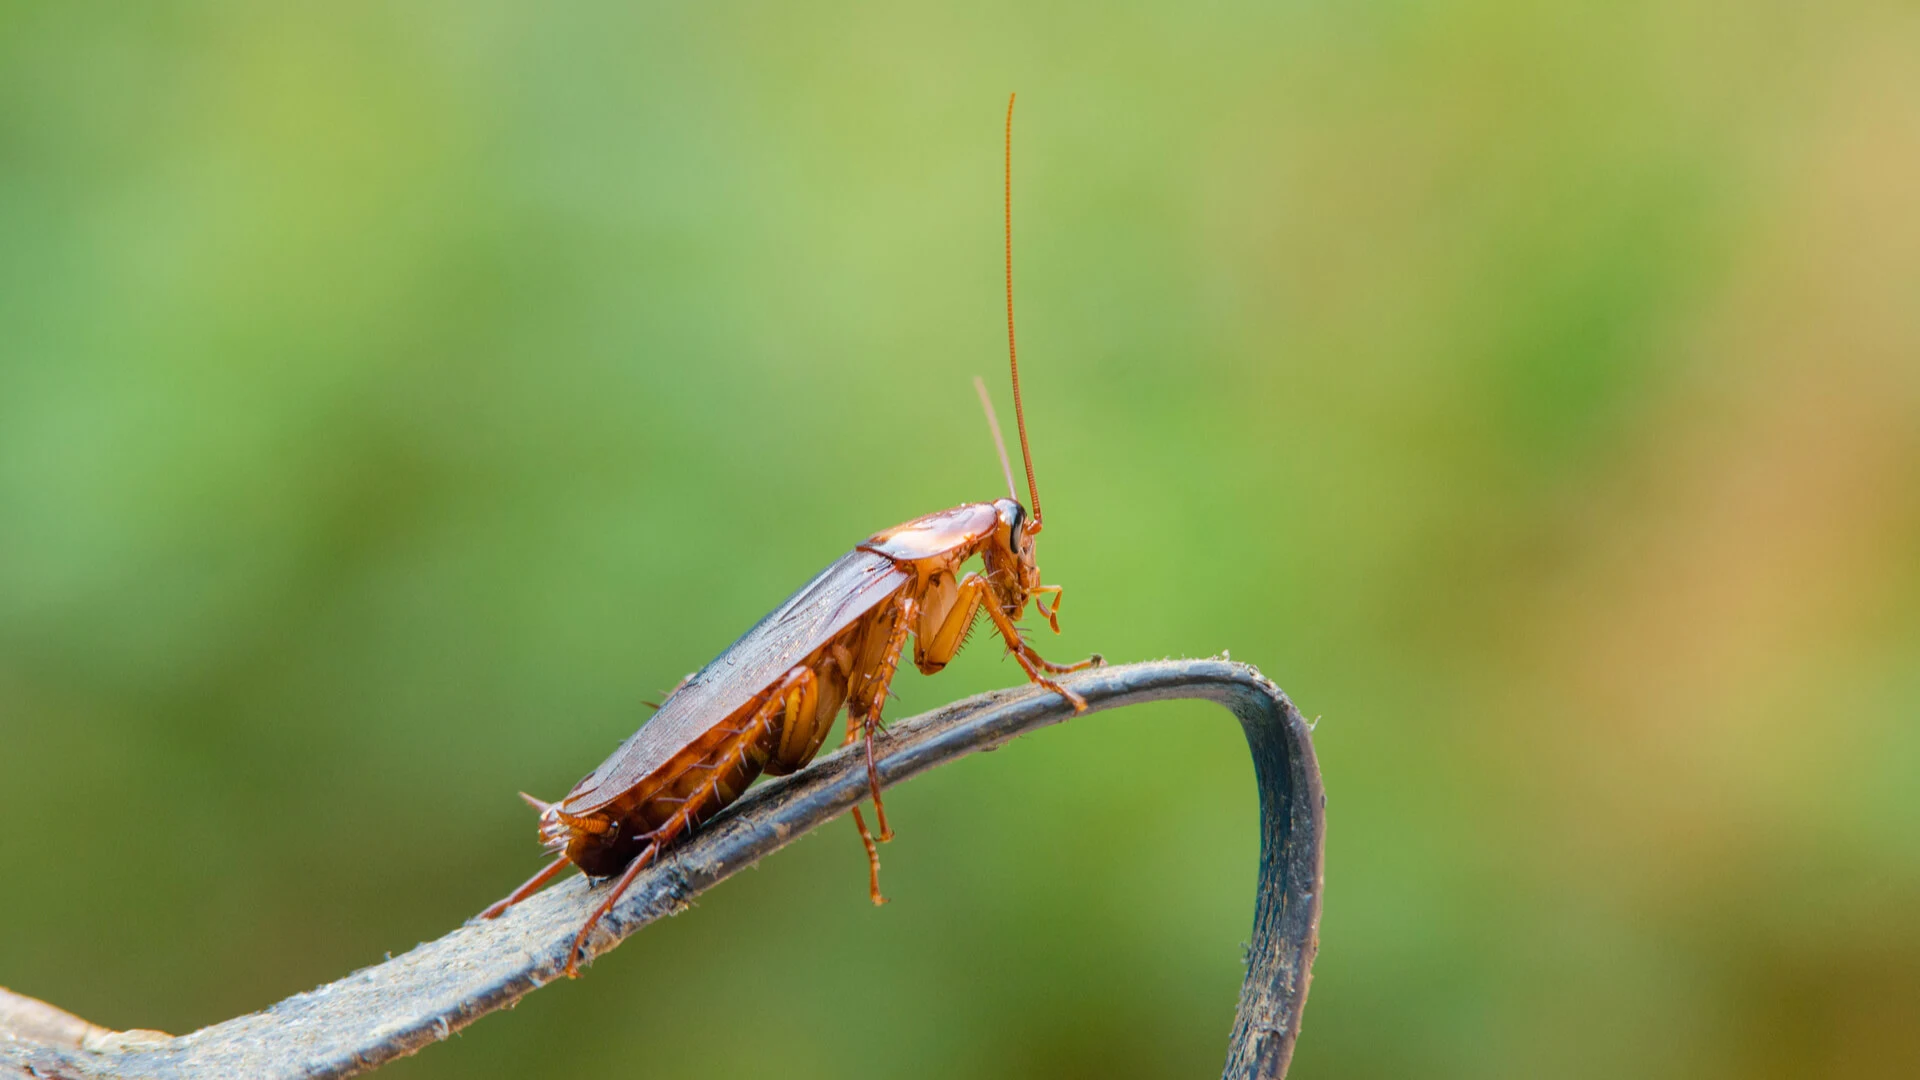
(375, 1015)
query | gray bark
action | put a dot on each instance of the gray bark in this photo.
(396, 1008)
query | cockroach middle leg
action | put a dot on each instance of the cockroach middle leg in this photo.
(863, 715)
(855, 729)
(873, 859)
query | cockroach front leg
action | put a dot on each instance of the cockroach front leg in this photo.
(1051, 614)
(1033, 664)
(975, 594)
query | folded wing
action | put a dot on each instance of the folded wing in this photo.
(853, 585)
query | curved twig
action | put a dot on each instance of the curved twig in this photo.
(395, 1008)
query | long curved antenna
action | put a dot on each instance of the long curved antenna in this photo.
(1013, 354)
(1000, 444)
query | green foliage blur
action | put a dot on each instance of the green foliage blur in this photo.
(394, 396)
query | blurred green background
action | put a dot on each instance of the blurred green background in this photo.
(392, 397)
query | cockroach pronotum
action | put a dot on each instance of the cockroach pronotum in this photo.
(766, 704)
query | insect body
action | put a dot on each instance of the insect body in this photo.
(767, 702)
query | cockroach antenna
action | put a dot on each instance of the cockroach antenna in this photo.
(1000, 444)
(1013, 354)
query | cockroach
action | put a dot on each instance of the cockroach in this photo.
(765, 705)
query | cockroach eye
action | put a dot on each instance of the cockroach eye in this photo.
(1013, 527)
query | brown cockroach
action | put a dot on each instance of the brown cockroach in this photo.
(766, 704)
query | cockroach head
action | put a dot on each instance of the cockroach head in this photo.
(1010, 558)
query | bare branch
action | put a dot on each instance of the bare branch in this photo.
(396, 1008)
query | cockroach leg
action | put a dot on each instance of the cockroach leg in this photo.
(1079, 703)
(873, 782)
(640, 862)
(863, 716)
(935, 650)
(777, 704)
(532, 886)
(1095, 660)
(1031, 662)
(873, 859)
(1051, 614)
(908, 612)
(855, 726)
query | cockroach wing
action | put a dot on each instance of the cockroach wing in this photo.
(854, 585)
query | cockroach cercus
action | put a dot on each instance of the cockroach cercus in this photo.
(766, 704)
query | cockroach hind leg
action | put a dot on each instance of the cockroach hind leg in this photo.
(576, 950)
(528, 888)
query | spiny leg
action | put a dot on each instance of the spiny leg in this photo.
(863, 715)
(855, 725)
(640, 862)
(975, 593)
(532, 886)
(855, 728)
(796, 681)
(1052, 615)
(873, 780)
(873, 697)
(1032, 663)
(873, 859)
(668, 831)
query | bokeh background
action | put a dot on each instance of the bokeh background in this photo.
(392, 397)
